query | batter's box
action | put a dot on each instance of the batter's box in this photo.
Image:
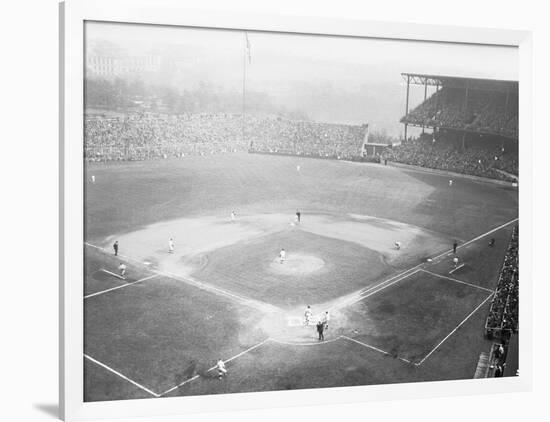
(412, 318)
(295, 321)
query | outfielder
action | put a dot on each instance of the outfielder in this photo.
(171, 246)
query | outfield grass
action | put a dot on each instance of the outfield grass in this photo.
(127, 196)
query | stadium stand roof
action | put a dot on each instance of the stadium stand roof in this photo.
(458, 104)
(461, 82)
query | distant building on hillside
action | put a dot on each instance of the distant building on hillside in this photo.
(108, 66)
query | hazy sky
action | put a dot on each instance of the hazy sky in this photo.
(289, 66)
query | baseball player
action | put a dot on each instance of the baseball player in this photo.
(282, 256)
(122, 269)
(326, 319)
(171, 246)
(220, 366)
(320, 329)
(307, 315)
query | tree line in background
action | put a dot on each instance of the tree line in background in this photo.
(134, 95)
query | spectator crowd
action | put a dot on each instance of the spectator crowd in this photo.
(153, 136)
(478, 158)
(481, 111)
(325, 140)
(503, 313)
(146, 136)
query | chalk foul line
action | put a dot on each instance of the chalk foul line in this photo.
(120, 287)
(124, 377)
(454, 330)
(214, 367)
(368, 346)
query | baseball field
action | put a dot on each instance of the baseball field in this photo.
(396, 315)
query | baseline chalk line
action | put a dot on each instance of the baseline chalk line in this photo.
(457, 281)
(256, 304)
(124, 377)
(111, 273)
(120, 287)
(368, 346)
(214, 367)
(454, 330)
(475, 239)
(456, 268)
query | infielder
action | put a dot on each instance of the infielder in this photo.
(282, 256)
(122, 269)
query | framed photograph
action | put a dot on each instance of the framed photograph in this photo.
(264, 210)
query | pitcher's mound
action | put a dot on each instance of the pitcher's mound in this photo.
(297, 264)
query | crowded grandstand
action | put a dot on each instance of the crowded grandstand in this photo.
(142, 136)
(472, 129)
(473, 126)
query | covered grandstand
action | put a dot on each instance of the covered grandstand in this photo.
(469, 126)
(481, 106)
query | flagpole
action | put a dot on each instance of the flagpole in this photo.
(245, 46)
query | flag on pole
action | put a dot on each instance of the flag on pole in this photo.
(248, 48)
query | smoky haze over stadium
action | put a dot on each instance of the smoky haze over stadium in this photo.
(319, 78)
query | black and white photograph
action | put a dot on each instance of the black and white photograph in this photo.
(270, 211)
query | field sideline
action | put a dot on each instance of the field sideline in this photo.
(223, 295)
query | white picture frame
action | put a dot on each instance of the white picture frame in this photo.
(73, 15)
